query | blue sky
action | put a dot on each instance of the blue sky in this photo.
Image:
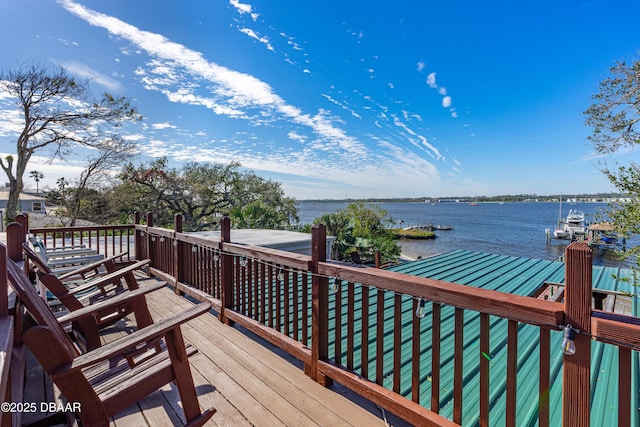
(343, 98)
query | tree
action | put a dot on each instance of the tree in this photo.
(76, 201)
(203, 192)
(615, 117)
(257, 215)
(37, 176)
(360, 230)
(57, 112)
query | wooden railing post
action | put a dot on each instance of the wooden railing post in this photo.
(576, 389)
(319, 306)
(226, 272)
(137, 241)
(148, 241)
(15, 237)
(23, 220)
(177, 253)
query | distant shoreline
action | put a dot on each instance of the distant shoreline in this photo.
(522, 198)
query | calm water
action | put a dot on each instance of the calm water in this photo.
(516, 229)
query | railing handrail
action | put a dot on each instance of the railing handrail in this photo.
(524, 309)
(80, 228)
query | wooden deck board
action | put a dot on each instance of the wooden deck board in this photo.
(248, 371)
(248, 383)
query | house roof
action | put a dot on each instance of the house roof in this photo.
(4, 195)
(522, 276)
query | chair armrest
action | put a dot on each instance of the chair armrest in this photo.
(119, 346)
(102, 281)
(114, 301)
(89, 267)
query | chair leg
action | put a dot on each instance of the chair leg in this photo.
(182, 372)
(202, 419)
(141, 312)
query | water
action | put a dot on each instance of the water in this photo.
(514, 229)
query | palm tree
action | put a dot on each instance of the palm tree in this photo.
(37, 176)
(257, 215)
(61, 183)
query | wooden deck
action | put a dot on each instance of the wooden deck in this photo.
(245, 380)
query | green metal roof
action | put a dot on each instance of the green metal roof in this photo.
(520, 276)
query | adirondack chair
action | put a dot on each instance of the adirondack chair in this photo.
(58, 250)
(65, 256)
(74, 274)
(108, 380)
(99, 289)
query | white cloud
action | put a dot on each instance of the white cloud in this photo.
(432, 151)
(134, 137)
(68, 43)
(243, 8)
(431, 80)
(446, 100)
(297, 137)
(326, 151)
(421, 66)
(234, 93)
(165, 125)
(84, 71)
(253, 35)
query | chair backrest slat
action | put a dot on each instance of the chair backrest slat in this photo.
(41, 264)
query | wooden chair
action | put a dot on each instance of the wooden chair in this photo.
(65, 257)
(59, 250)
(99, 289)
(74, 273)
(108, 380)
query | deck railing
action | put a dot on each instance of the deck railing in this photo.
(106, 240)
(357, 325)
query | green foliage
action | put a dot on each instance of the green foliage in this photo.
(412, 233)
(360, 230)
(202, 193)
(614, 116)
(258, 215)
(615, 112)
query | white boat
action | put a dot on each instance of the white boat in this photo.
(572, 227)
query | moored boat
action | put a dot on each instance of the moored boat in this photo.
(572, 227)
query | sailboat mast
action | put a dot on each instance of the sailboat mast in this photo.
(560, 213)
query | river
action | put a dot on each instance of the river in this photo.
(515, 229)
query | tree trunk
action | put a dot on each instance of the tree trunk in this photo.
(15, 188)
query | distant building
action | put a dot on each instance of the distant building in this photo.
(26, 203)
